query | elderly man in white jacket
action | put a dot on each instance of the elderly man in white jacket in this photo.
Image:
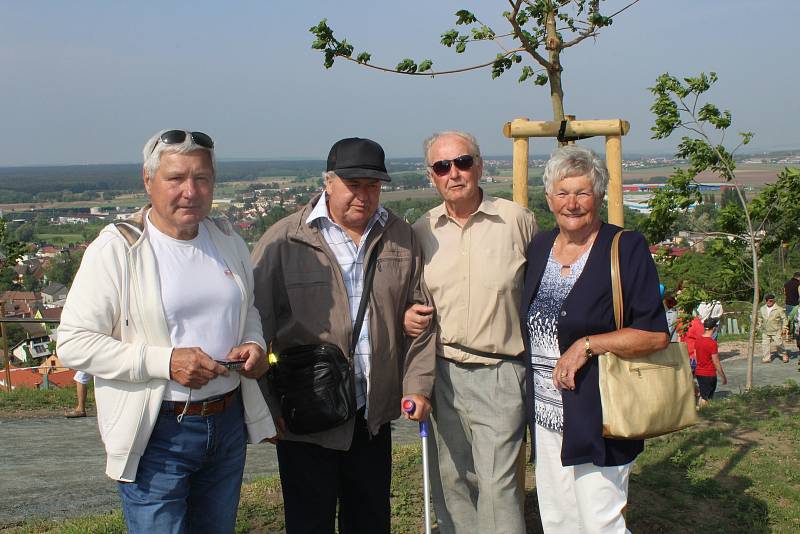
(161, 313)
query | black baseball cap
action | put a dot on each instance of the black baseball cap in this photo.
(355, 157)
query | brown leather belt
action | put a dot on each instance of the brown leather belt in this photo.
(205, 407)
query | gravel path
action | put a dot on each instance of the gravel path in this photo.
(54, 467)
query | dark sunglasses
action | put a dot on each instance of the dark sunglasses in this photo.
(176, 137)
(462, 163)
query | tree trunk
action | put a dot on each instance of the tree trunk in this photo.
(556, 95)
(756, 297)
(553, 46)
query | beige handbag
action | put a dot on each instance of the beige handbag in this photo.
(646, 396)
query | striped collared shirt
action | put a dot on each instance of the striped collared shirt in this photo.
(351, 262)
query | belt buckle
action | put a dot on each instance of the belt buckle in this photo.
(206, 404)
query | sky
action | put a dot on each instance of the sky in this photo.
(88, 82)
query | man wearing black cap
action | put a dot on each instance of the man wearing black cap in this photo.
(309, 280)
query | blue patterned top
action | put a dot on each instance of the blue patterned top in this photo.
(543, 335)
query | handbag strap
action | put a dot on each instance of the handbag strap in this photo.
(616, 283)
(362, 306)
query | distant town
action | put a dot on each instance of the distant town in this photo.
(55, 212)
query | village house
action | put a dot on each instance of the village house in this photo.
(54, 294)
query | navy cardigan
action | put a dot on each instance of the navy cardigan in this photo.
(588, 310)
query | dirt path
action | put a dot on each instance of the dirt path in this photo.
(54, 467)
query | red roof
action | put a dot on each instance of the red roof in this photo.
(52, 313)
(23, 377)
(29, 377)
(62, 379)
(19, 295)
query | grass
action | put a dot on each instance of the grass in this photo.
(60, 239)
(736, 471)
(27, 399)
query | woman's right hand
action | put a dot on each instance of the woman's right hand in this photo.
(569, 364)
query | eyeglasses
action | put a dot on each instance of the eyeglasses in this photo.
(176, 137)
(462, 163)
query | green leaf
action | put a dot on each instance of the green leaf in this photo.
(449, 38)
(363, 57)
(465, 17)
(460, 47)
(500, 65)
(425, 65)
(407, 65)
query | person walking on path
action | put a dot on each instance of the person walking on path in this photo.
(794, 328)
(773, 323)
(791, 291)
(708, 364)
(81, 391)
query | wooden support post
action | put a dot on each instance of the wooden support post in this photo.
(520, 128)
(613, 130)
(520, 169)
(569, 118)
(614, 164)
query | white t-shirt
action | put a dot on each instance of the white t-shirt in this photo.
(201, 302)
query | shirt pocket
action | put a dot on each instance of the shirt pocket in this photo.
(392, 277)
(499, 269)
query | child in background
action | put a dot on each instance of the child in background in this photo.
(708, 364)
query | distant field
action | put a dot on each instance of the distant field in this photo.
(752, 175)
(755, 175)
(60, 239)
(430, 192)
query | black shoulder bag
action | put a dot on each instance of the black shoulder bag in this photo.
(315, 383)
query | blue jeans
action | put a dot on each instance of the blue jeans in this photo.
(190, 475)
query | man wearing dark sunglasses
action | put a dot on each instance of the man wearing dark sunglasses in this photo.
(159, 307)
(474, 247)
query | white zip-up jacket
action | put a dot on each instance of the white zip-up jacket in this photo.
(113, 327)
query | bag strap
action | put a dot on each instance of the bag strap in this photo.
(362, 306)
(616, 283)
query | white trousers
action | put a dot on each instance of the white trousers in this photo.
(580, 498)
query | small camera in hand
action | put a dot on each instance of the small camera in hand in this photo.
(231, 365)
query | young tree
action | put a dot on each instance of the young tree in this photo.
(743, 229)
(10, 251)
(539, 31)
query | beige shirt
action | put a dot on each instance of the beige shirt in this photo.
(475, 274)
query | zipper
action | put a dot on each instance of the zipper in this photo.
(646, 368)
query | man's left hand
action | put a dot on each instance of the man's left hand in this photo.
(422, 410)
(255, 364)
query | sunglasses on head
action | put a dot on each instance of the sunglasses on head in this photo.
(176, 137)
(462, 163)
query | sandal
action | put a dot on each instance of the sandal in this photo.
(72, 414)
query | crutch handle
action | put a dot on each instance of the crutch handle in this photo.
(409, 406)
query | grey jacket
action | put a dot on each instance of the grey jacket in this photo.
(301, 296)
